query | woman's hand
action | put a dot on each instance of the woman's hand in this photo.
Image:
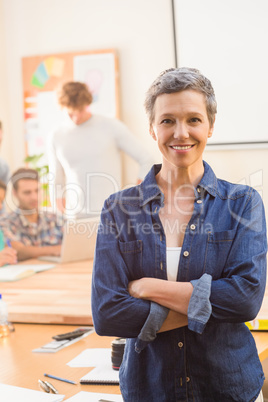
(8, 256)
(143, 288)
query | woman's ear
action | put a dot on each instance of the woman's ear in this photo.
(152, 133)
(211, 129)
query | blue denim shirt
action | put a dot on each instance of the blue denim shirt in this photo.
(223, 254)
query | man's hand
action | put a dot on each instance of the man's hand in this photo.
(55, 250)
(8, 256)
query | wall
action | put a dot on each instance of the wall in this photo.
(142, 33)
(6, 145)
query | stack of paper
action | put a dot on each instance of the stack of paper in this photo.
(10, 393)
(94, 397)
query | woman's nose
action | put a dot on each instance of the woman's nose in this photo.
(180, 131)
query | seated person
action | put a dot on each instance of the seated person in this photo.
(8, 255)
(3, 189)
(33, 233)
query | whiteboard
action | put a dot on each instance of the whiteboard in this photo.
(228, 42)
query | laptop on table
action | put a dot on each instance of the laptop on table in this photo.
(78, 242)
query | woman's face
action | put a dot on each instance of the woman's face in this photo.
(181, 128)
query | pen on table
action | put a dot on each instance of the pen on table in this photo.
(51, 387)
(47, 387)
(60, 379)
(44, 386)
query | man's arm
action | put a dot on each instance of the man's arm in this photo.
(61, 204)
(27, 252)
(128, 143)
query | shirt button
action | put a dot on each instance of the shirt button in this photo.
(186, 253)
(187, 379)
(198, 190)
(192, 227)
(180, 344)
(199, 201)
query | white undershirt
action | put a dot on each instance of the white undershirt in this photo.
(173, 258)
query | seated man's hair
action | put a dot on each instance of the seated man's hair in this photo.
(23, 174)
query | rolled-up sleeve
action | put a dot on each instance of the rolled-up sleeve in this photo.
(199, 309)
(154, 322)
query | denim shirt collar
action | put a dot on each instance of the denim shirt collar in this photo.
(150, 189)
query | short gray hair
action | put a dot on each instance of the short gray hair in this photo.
(177, 80)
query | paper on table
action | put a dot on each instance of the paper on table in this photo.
(91, 358)
(84, 396)
(11, 393)
(12, 273)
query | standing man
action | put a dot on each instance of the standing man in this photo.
(84, 155)
(31, 232)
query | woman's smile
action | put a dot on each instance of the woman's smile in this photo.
(181, 148)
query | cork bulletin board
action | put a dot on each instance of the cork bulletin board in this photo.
(44, 75)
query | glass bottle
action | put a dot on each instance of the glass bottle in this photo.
(4, 328)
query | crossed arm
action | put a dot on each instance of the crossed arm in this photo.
(173, 295)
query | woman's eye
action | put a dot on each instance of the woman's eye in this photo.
(195, 120)
(166, 121)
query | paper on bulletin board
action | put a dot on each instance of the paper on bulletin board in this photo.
(98, 72)
(39, 127)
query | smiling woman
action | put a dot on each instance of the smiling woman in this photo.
(181, 129)
(181, 292)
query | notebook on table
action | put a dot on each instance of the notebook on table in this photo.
(103, 375)
(78, 242)
(12, 273)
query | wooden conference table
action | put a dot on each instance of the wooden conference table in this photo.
(57, 296)
(60, 295)
(23, 368)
